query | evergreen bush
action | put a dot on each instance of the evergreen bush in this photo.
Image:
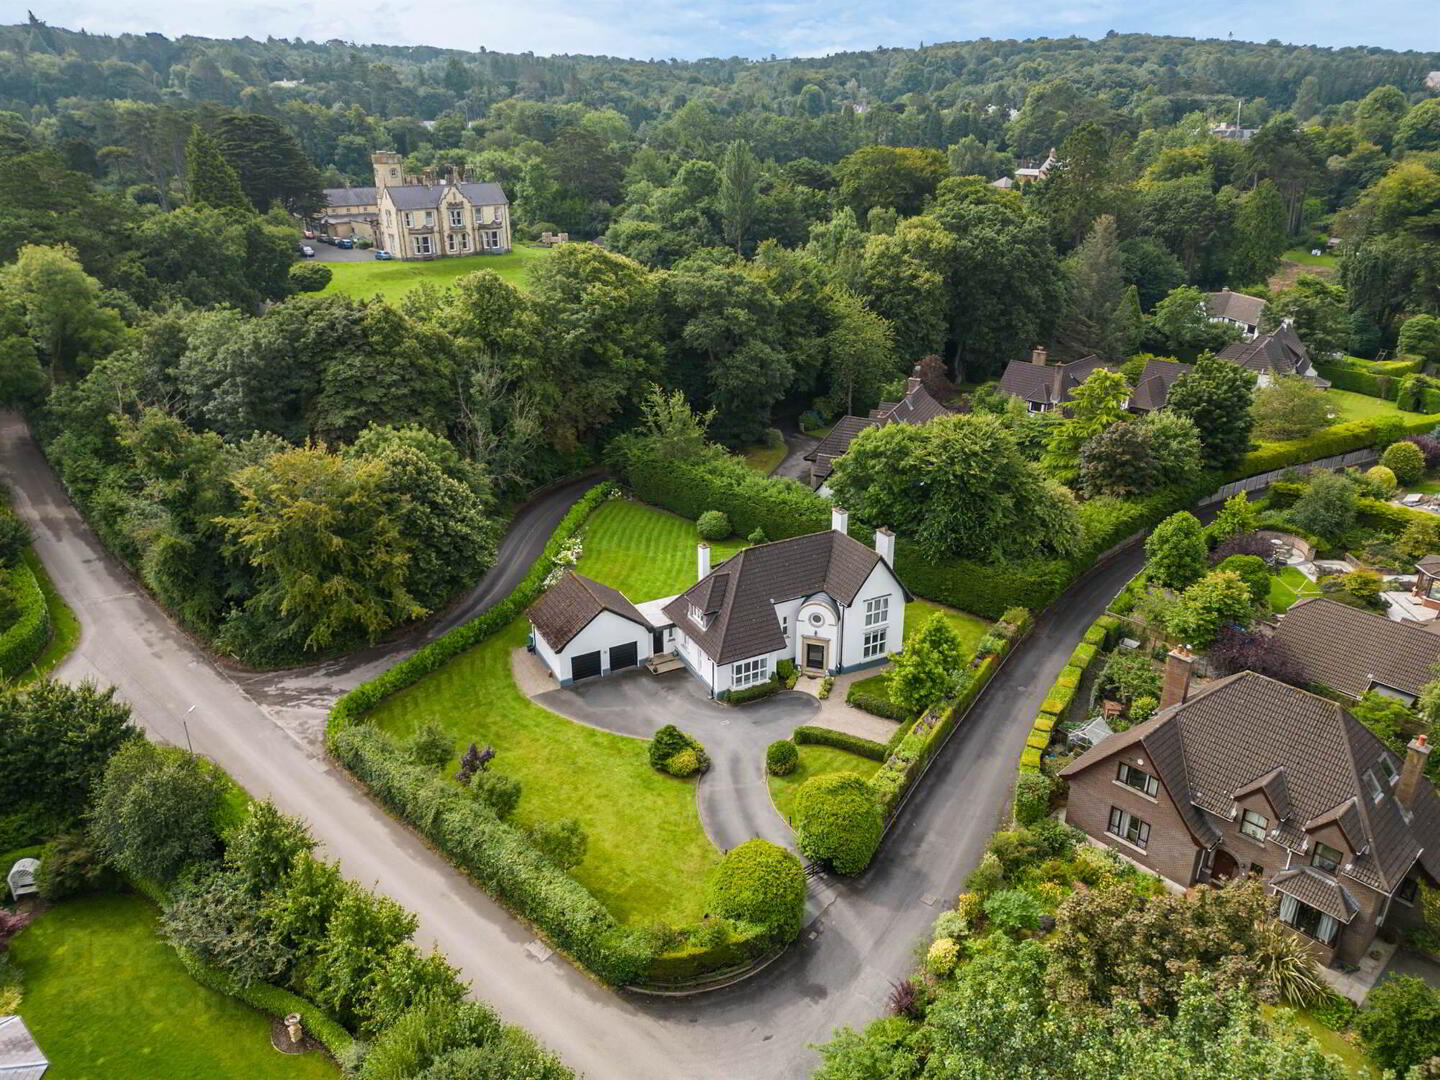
(763, 884)
(782, 758)
(837, 821)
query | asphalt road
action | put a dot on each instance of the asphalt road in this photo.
(838, 973)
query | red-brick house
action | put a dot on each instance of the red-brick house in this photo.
(1252, 776)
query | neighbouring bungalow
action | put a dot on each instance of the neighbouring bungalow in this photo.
(1236, 309)
(1153, 389)
(1274, 355)
(1252, 776)
(1044, 386)
(1344, 649)
(824, 601)
(916, 407)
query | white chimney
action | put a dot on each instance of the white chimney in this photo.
(840, 520)
(702, 559)
(885, 546)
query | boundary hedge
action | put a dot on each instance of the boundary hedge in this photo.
(25, 639)
(840, 740)
(1101, 635)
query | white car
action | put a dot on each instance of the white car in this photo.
(307, 251)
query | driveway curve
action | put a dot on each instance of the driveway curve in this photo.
(734, 796)
(839, 973)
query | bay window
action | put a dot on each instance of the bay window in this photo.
(1308, 920)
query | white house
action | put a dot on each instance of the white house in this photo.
(824, 601)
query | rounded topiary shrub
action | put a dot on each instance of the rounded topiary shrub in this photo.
(713, 525)
(782, 758)
(1405, 460)
(309, 277)
(837, 821)
(761, 883)
(686, 763)
(1382, 480)
(666, 743)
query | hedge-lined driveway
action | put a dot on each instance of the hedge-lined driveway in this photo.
(734, 796)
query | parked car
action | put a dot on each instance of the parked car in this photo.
(381, 253)
(309, 234)
(345, 242)
(307, 251)
(325, 238)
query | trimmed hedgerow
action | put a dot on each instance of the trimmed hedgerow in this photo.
(1032, 797)
(781, 757)
(772, 685)
(435, 655)
(841, 740)
(1376, 431)
(763, 884)
(876, 704)
(781, 508)
(498, 855)
(25, 638)
(837, 822)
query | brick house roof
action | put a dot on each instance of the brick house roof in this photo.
(1153, 389)
(1232, 738)
(1046, 384)
(572, 603)
(1233, 305)
(1350, 650)
(916, 407)
(739, 596)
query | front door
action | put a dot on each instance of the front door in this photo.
(1224, 867)
(815, 655)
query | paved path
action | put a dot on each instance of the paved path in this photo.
(734, 795)
(793, 464)
(838, 973)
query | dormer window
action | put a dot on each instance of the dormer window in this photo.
(1387, 771)
(1326, 857)
(1376, 791)
(1254, 825)
(696, 615)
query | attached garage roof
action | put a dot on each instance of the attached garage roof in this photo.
(572, 603)
(20, 1056)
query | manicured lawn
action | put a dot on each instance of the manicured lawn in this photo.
(106, 997)
(393, 279)
(644, 552)
(648, 854)
(1304, 258)
(64, 627)
(1428, 486)
(762, 458)
(1351, 1055)
(1352, 406)
(1288, 586)
(815, 761)
(971, 628)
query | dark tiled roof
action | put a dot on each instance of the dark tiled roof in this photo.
(1348, 650)
(1231, 737)
(1319, 890)
(837, 442)
(1272, 786)
(916, 407)
(1279, 353)
(568, 606)
(428, 196)
(742, 591)
(1153, 389)
(1233, 305)
(345, 196)
(1430, 564)
(1046, 384)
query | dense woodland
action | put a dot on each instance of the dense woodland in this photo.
(294, 473)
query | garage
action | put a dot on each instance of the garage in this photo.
(623, 656)
(585, 665)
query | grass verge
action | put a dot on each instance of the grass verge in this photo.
(106, 996)
(816, 761)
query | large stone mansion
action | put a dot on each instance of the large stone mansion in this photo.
(420, 216)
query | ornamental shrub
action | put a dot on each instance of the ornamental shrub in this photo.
(1382, 479)
(760, 883)
(71, 865)
(1032, 797)
(431, 745)
(1014, 910)
(782, 758)
(837, 821)
(670, 741)
(1400, 1024)
(1405, 460)
(941, 958)
(1252, 570)
(713, 525)
(309, 277)
(684, 764)
(757, 536)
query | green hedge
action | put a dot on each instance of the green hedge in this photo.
(840, 740)
(443, 649)
(763, 884)
(497, 854)
(772, 685)
(782, 508)
(271, 1000)
(25, 639)
(1338, 439)
(876, 704)
(687, 963)
(1356, 380)
(1370, 513)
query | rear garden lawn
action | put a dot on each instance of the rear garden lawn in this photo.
(393, 279)
(1289, 586)
(644, 552)
(762, 458)
(816, 761)
(105, 996)
(1354, 406)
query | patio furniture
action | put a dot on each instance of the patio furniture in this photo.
(21, 878)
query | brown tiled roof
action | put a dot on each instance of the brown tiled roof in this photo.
(1272, 786)
(740, 594)
(1233, 305)
(916, 407)
(1319, 890)
(1153, 388)
(837, 442)
(568, 606)
(1235, 734)
(1046, 384)
(1349, 650)
(1430, 564)
(1280, 352)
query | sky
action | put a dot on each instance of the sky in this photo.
(689, 29)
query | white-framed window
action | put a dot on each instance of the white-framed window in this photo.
(450, 243)
(457, 216)
(422, 245)
(877, 610)
(1128, 827)
(409, 220)
(429, 217)
(1387, 770)
(1376, 791)
(1254, 825)
(785, 626)
(696, 615)
(749, 672)
(874, 643)
(1326, 857)
(492, 239)
(1308, 920)
(1139, 779)
(464, 241)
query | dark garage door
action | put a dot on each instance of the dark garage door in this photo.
(622, 656)
(585, 665)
